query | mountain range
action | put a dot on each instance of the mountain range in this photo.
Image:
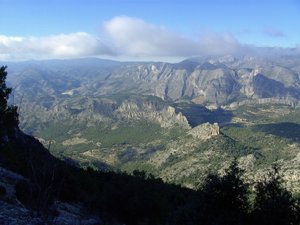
(221, 81)
(174, 120)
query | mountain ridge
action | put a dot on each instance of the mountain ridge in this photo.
(217, 81)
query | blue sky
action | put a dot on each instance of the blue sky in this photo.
(158, 30)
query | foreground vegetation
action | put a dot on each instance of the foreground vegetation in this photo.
(139, 198)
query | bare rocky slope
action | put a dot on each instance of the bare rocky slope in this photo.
(216, 81)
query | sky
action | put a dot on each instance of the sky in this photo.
(147, 30)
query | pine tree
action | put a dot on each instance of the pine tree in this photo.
(226, 196)
(273, 203)
(8, 114)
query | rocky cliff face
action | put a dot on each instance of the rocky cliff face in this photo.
(217, 81)
(165, 115)
(205, 131)
(170, 81)
(99, 110)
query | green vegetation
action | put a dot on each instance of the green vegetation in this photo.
(131, 167)
(119, 97)
(226, 144)
(59, 131)
(279, 137)
(237, 98)
(266, 113)
(129, 132)
(292, 117)
(153, 98)
(255, 136)
(120, 136)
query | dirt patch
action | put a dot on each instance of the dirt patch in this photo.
(199, 100)
(76, 141)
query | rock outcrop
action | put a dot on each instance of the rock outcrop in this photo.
(139, 109)
(205, 131)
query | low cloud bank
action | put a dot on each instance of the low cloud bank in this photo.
(71, 45)
(130, 37)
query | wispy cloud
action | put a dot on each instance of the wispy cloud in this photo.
(126, 37)
(271, 31)
(245, 31)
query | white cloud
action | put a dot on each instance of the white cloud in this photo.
(71, 45)
(137, 38)
(212, 43)
(129, 38)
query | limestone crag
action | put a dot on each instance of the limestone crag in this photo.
(217, 80)
(165, 115)
(96, 110)
(205, 131)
